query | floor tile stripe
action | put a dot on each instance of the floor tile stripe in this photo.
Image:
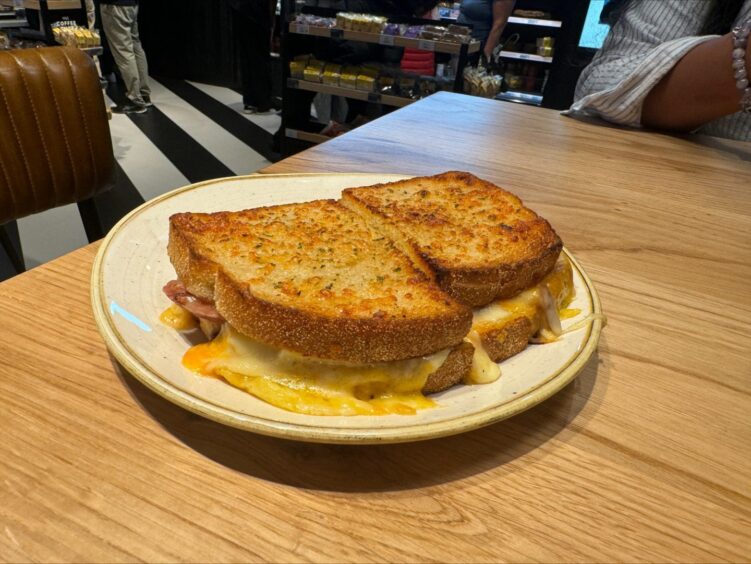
(233, 153)
(246, 131)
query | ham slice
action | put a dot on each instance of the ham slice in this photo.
(202, 309)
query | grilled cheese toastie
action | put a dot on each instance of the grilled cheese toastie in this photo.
(363, 306)
(321, 314)
(478, 241)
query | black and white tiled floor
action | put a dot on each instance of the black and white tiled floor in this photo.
(194, 132)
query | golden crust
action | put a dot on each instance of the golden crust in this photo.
(315, 279)
(340, 337)
(479, 240)
(512, 338)
(453, 371)
(194, 270)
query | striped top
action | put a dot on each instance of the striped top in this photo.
(649, 38)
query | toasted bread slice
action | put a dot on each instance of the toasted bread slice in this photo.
(453, 371)
(315, 279)
(506, 326)
(480, 241)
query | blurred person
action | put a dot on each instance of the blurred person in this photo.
(120, 25)
(679, 65)
(488, 19)
(252, 27)
(91, 13)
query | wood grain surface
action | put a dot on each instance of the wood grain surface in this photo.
(645, 457)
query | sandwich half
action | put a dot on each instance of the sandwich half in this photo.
(482, 246)
(478, 241)
(316, 311)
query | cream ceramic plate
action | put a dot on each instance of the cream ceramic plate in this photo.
(132, 266)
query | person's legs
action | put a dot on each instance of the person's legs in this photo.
(259, 61)
(252, 30)
(141, 63)
(117, 22)
(241, 28)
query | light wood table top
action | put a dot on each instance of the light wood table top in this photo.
(645, 457)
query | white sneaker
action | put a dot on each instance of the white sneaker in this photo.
(252, 110)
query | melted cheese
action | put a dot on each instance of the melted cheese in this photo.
(178, 318)
(322, 387)
(314, 386)
(544, 305)
(484, 370)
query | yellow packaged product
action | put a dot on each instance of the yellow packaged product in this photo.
(331, 74)
(366, 80)
(348, 78)
(80, 39)
(297, 69)
(314, 71)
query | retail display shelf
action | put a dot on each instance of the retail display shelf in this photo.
(383, 39)
(306, 136)
(9, 23)
(93, 51)
(533, 98)
(534, 21)
(525, 57)
(397, 101)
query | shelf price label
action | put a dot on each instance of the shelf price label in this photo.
(387, 40)
(426, 45)
(337, 33)
(523, 56)
(303, 29)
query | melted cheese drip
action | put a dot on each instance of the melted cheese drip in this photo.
(178, 318)
(544, 305)
(314, 386)
(484, 370)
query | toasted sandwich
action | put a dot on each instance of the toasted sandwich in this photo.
(319, 313)
(365, 305)
(483, 247)
(478, 241)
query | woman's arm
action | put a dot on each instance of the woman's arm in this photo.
(501, 11)
(698, 89)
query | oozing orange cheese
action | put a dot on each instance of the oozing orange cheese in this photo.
(531, 303)
(178, 318)
(320, 387)
(315, 386)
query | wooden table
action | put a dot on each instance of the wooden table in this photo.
(645, 457)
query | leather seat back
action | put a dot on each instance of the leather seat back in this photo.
(55, 145)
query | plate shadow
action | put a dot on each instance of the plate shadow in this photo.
(375, 468)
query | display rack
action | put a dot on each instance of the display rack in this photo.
(43, 15)
(534, 21)
(11, 16)
(526, 72)
(6, 23)
(384, 39)
(298, 130)
(374, 97)
(525, 57)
